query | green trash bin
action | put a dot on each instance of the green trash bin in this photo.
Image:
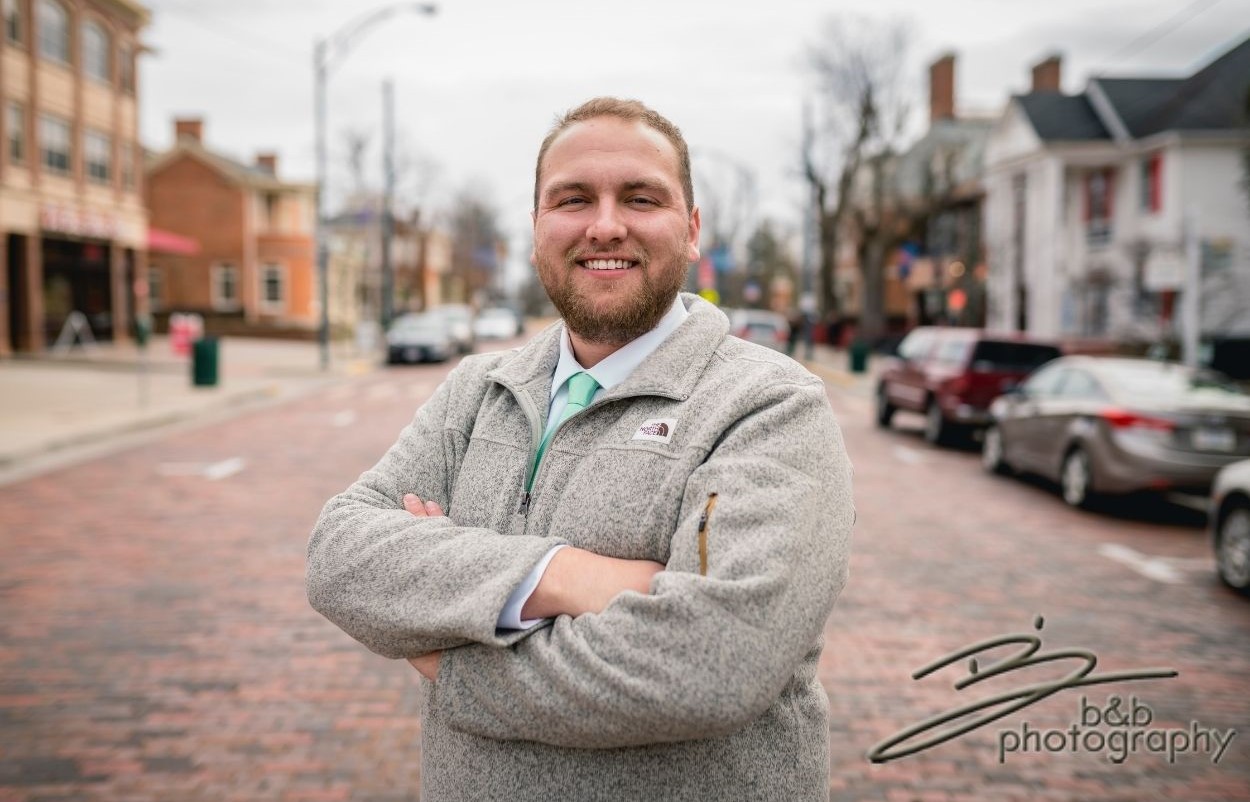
(858, 353)
(204, 362)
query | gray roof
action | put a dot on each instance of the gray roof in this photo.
(1216, 98)
(1059, 117)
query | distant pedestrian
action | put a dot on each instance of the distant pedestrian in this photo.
(610, 553)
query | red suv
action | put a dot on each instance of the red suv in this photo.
(950, 375)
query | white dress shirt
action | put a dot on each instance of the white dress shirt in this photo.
(609, 372)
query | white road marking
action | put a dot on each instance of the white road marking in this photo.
(213, 471)
(345, 418)
(910, 456)
(1168, 570)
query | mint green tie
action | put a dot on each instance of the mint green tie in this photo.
(582, 387)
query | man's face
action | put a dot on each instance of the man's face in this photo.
(612, 238)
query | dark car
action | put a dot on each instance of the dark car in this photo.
(951, 375)
(419, 338)
(1101, 425)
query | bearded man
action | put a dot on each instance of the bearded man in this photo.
(610, 554)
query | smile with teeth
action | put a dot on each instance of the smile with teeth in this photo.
(608, 264)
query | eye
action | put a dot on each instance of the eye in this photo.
(642, 201)
(575, 200)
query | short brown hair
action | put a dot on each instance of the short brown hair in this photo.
(630, 111)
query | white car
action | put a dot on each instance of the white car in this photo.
(497, 323)
(1230, 525)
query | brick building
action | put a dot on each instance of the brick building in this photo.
(72, 218)
(254, 272)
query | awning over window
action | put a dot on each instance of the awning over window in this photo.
(161, 241)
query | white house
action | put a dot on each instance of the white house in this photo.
(1086, 196)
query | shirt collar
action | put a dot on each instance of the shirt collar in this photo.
(616, 367)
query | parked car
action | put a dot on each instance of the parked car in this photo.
(1230, 525)
(497, 323)
(1101, 425)
(418, 338)
(950, 375)
(459, 321)
(759, 326)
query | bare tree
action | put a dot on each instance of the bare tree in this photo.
(863, 103)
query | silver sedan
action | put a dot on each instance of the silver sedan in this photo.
(1101, 425)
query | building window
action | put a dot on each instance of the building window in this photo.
(1152, 183)
(154, 290)
(128, 166)
(53, 31)
(15, 125)
(126, 68)
(55, 144)
(98, 156)
(273, 287)
(1099, 205)
(14, 31)
(225, 289)
(95, 52)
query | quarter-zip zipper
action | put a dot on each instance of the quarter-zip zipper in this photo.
(531, 413)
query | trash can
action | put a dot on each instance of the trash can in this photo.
(858, 353)
(204, 362)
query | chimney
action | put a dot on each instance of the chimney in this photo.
(268, 162)
(942, 88)
(190, 127)
(1046, 75)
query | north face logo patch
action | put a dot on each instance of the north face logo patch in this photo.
(657, 431)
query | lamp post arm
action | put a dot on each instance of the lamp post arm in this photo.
(340, 43)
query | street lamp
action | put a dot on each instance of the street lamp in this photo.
(337, 46)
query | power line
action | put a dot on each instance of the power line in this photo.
(1162, 29)
(237, 34)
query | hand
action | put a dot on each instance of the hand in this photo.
(578, 581)
(422, 509)
(427, 664)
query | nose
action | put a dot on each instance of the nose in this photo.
(607, 225)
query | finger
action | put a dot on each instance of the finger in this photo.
(432, 509)
(414, 505)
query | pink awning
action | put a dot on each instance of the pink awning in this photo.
(161, 241)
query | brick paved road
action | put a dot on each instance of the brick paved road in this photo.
(155, 643)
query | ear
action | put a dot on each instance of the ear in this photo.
(696, 225)
(534, 238)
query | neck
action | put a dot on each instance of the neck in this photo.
(589, 353)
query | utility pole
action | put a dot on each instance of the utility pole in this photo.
(1191, 290)
(388, 200)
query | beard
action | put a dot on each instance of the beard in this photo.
(614, 320)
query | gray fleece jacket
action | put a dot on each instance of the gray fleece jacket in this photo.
(704, 688)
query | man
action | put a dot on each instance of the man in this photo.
(610, 553)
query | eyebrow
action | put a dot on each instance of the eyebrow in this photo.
(650, 185)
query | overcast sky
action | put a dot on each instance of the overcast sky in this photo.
(478, 84)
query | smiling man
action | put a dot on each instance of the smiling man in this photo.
(610, 554)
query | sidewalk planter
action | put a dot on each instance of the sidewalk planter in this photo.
(858, 353)
(204, 355)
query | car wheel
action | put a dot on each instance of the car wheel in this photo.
(1232, 549)
(885, 410)
(992, 452)
(936, 430)
(1076, 479)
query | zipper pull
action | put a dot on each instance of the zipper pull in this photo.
(524, 507)
(707, 513)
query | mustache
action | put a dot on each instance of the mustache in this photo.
(578, 253)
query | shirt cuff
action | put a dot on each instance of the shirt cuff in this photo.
(510, 617)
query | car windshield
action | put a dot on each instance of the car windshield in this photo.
(415, 324)
(1023, 357)
(1166, 381)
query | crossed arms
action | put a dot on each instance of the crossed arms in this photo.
(635, 654)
